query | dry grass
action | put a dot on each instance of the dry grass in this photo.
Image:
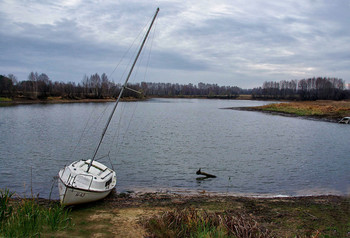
(190, 222)
(333, 110)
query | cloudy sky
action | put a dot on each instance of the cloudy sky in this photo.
(229, 42)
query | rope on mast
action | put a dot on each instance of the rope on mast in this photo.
(122, 90)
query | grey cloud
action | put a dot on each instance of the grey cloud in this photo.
(282, 40)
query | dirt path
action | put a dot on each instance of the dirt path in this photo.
(122, 222)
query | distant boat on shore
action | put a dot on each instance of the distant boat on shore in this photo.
(345, 120)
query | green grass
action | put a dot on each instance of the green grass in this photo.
(26, 218)
(3, 99)
(5, 206)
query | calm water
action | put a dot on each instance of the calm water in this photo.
(161, 143)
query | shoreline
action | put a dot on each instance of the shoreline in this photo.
(57, 100)
(283, 216)
(321, 110)
(61, 101)
(115, 199)
(286, 114)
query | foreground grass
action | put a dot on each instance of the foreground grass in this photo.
(249, 217)
(171, 215)
(26, 218)
(333, 110)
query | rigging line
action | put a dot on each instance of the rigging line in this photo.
(128, 126)
(138, 64)
(117, 132)
(133, 114)
(142, 55)
(131, 58)
(82, 134)
(110, 161)
(98, 119)
(121, 59)
(133, 77)
(121, 92)
(150, 50)
(148, 44)
(85, 128)
(136, 104)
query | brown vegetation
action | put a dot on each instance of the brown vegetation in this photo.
(167, 215)
(321, 109)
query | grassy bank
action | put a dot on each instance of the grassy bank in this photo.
(328, 110)
(172, 215)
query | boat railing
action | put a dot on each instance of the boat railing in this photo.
(64, 170)
(83, 175)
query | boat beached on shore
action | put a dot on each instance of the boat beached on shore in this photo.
(88, 180)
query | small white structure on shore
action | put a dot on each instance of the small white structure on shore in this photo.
(345, 120)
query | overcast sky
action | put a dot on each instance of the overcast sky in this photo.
(229, 42)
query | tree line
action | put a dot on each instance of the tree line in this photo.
(95, 86)
(320, 88)
(39, 86)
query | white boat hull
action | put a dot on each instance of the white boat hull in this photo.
(77, 186)
(74, 196)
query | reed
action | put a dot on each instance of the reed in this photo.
(28, 219)
(200, 223)
(5, 206)
(57, 217)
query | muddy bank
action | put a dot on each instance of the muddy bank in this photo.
(286, 114)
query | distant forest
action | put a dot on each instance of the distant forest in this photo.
(304, 89)
(39, 86)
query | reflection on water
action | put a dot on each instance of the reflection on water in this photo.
(161, 143)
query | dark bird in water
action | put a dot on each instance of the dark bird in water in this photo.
(199, 172)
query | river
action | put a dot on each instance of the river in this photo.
(159, 144)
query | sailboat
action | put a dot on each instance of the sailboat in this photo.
(88, 180)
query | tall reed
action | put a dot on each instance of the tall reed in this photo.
(5, 207)
(28, 219)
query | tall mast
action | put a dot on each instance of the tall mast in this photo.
(122, 90)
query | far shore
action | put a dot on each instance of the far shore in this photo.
(56, 100)
(324, 110)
